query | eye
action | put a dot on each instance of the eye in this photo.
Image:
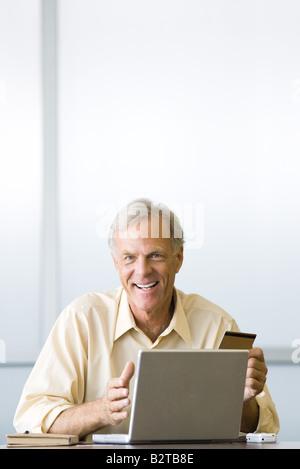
(156, 255)
(128, 258)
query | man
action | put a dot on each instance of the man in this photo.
(81, 382)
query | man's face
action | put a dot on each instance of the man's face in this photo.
(147, 268)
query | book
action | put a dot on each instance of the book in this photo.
(40, 439)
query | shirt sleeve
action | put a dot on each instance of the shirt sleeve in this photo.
(57, 380)
(268, 421)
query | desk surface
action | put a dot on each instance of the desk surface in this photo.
(172, 448)
(187, 447)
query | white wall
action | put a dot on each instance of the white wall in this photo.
(187, 102)
(20, 175)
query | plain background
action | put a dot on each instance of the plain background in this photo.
(191, 103)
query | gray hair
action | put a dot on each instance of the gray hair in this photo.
(139, 210)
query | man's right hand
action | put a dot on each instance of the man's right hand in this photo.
(115, 397)
(86, 418)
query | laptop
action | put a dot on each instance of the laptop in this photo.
(185, 396)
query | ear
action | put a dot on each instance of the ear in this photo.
(179, 259)
(115, 262)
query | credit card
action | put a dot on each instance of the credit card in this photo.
(237, 341)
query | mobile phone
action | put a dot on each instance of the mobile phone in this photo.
(261, 437)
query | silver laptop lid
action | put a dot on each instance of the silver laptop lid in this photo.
(188, 395)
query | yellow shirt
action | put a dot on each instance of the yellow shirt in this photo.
(92, 340)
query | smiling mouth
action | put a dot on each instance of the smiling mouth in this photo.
(148, 286)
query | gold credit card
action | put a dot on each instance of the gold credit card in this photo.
(237, 341)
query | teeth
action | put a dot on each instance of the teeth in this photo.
(145, 287)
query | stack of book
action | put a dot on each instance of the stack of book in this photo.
(40, 439)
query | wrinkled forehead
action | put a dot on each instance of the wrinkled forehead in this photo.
(154, 227)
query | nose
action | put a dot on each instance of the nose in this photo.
(143, 267)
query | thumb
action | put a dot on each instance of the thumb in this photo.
(128, 373)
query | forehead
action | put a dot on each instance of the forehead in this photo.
(148, 233)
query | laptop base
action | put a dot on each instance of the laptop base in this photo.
(123, 439)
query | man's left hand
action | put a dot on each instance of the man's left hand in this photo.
(256, 374)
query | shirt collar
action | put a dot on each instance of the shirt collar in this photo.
(125, 320)
(179, 322)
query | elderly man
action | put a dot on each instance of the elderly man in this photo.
(80, 383)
